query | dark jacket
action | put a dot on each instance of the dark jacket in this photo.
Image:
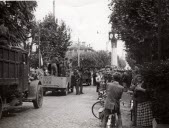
(114, 94)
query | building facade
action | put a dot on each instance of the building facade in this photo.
(78, 47)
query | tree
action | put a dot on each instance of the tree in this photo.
(87, 60)
(54, 37)
(130, 61)
(34, 60)
(97, 59)
(137, 23)
(16, 17)
(102, 59)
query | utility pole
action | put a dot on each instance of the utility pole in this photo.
(54, 9)
(159, 30)
(39, 48)
(78, 52)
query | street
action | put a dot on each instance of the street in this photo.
(71, 111)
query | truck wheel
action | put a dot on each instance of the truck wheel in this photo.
(72, 89)
(37, 103)
(1, 107)
(44, 93)
(65, 91)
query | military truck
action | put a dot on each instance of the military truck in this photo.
(15, 86)
(56, 83)
(61, 83)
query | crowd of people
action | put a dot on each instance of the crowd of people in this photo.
(58, 66)
(129, 81)
(115, 82)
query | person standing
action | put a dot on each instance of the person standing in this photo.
(143, 112)
(136, 80)
(94, 77)
(54, 68)
(78, 78)
(112, 102)
(73, 80)
(80, 82)
(124, 81)
(89, 77)
(66, 65)
(98, 79)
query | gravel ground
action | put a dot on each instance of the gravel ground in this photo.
(71, 111)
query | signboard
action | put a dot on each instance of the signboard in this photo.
(55, 82)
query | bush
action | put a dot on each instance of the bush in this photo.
(156, 79)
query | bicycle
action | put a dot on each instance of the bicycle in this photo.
(98, 112)
(98, 107)
(112, 121)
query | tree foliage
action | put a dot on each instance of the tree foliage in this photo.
(34, 60)
(137, 22)
(16, 18)
(130, 60)
(102, 59)
(156, 79)
(54, 37)
(97, 59)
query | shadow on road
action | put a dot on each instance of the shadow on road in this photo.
(57, 93)
(14, 112)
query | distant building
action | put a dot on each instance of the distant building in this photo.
(82, 47)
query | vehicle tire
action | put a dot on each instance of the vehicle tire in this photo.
(71, 89)
(1, 107)
(66, 90)
(37, 103)
(95, 108)
(44, 93)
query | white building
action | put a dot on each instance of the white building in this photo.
(74, 48)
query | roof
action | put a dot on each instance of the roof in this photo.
(82, 47)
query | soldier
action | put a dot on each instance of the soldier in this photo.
(78, 77)
(80, 82)
(54, 68)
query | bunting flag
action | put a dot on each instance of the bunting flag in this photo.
(40, 60)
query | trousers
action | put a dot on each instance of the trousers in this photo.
(79, 87)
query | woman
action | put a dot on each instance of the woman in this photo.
(143, 105)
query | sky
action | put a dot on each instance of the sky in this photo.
(88, 20)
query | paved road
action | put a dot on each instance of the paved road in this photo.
(71, 111)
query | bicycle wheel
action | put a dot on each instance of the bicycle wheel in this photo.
(95, 108)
